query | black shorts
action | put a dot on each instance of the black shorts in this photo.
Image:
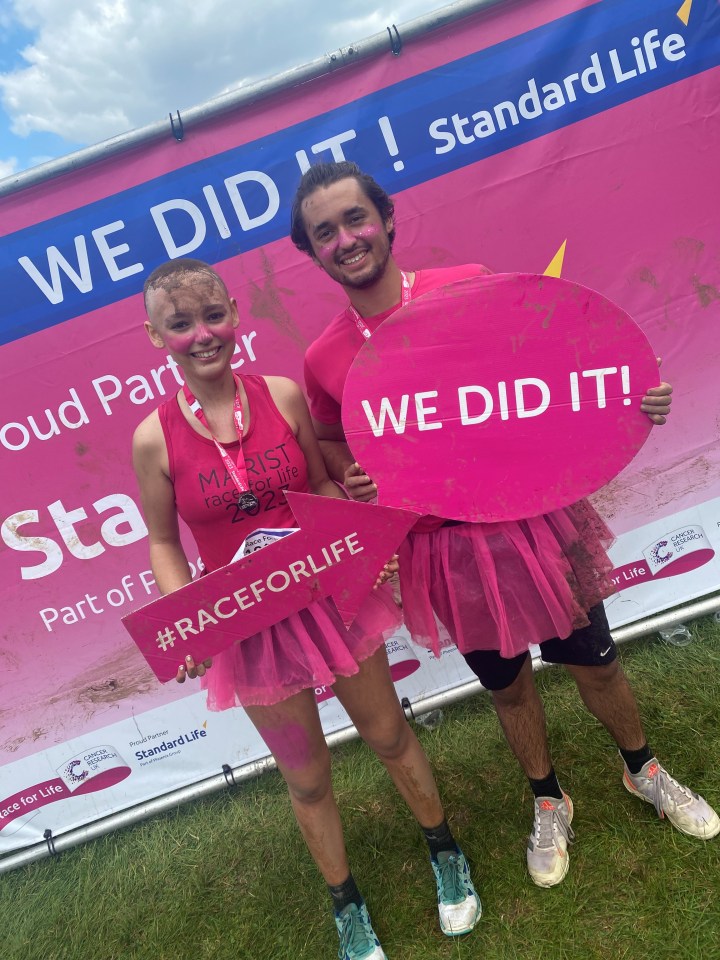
(589, 646)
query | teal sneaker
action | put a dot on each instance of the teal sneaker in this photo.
(357, 937)
(458, 904)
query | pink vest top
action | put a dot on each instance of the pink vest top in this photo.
(205, 495)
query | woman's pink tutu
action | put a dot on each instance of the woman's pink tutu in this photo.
(504, 586)
(306, 650)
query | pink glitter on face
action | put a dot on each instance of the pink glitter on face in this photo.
(289, 744)
(346, 238)
(349, 238)
(372, 230)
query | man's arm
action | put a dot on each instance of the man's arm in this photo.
(340, 464)
(335, 450)
(291, 403)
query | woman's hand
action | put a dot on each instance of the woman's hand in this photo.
(192, 669)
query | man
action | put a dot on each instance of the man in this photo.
(345, 221)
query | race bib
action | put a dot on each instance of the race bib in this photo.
(260, 538)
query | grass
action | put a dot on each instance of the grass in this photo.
(228, 878)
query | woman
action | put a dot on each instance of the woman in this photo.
(247, 424)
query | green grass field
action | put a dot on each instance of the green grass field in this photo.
(229, 878)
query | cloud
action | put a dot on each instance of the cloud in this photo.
(8, 167)
(97, 68)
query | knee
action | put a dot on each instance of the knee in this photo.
(310, 785)
(516, 694)
(388, 738)
(595, 679)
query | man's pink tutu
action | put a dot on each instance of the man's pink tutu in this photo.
(306, 650)
(504, 586)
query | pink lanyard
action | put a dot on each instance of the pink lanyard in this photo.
(405, 298)
(237, 471)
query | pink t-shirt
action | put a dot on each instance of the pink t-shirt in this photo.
(329, 358)
(205, 495)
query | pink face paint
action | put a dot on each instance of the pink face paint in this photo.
(191, 315)
(371, 230)
(289, 744)
(178, 342)
(183, 342)
(327, 252)
(346, 237)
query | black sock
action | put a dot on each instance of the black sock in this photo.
(547, 787)
(440, 840)
(344, 893)
(636, 759)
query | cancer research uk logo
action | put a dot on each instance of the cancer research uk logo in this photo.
(70, 776)
(656, 554)
(401, 657)
(88, 772)
(673, 553)
(98, 768)
(682, 550)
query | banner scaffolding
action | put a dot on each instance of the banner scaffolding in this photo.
(567, 136)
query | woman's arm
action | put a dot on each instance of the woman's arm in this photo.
(167, 557)
(157, 495)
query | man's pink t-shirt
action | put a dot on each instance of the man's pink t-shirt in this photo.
(329, 358)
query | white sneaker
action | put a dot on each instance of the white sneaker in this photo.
(684, 809)
(547, 853)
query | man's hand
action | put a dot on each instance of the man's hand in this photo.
(656, 402)
(361, 488)
(191, 669)
(358, 484)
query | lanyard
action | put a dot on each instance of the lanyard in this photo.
(405, 298)
(238, 471)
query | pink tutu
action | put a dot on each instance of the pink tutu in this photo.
(306, 650)
(504, 586)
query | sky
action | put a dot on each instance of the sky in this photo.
(75, 73)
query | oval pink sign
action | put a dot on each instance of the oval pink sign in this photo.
(498, 398)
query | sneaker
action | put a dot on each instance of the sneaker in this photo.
(547, 853)
(683, 808)
(357, 937)
(458, 903)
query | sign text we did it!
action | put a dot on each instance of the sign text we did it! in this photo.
(499, 398)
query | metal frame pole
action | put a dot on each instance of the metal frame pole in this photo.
(378, 43)
(237, 775)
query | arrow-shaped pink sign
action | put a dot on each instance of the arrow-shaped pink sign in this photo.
(338, 552)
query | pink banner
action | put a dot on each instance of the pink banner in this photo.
(516, 131)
